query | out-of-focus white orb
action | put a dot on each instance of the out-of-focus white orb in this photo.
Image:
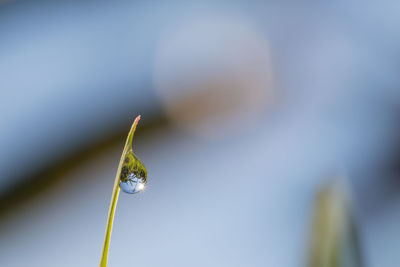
(213, 74)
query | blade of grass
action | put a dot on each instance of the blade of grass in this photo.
(334, 240)
(115, 194)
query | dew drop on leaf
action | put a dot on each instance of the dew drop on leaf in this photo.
(133, 176)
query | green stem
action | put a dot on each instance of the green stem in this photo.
(115, 194)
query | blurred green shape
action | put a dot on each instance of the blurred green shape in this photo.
(334, 240)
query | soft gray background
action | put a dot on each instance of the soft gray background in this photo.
(263, 102)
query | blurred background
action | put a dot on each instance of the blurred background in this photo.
(269, 130)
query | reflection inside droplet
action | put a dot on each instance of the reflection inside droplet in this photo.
(133, 176)
(133, 184)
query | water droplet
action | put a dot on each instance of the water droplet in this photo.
(133, 177)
